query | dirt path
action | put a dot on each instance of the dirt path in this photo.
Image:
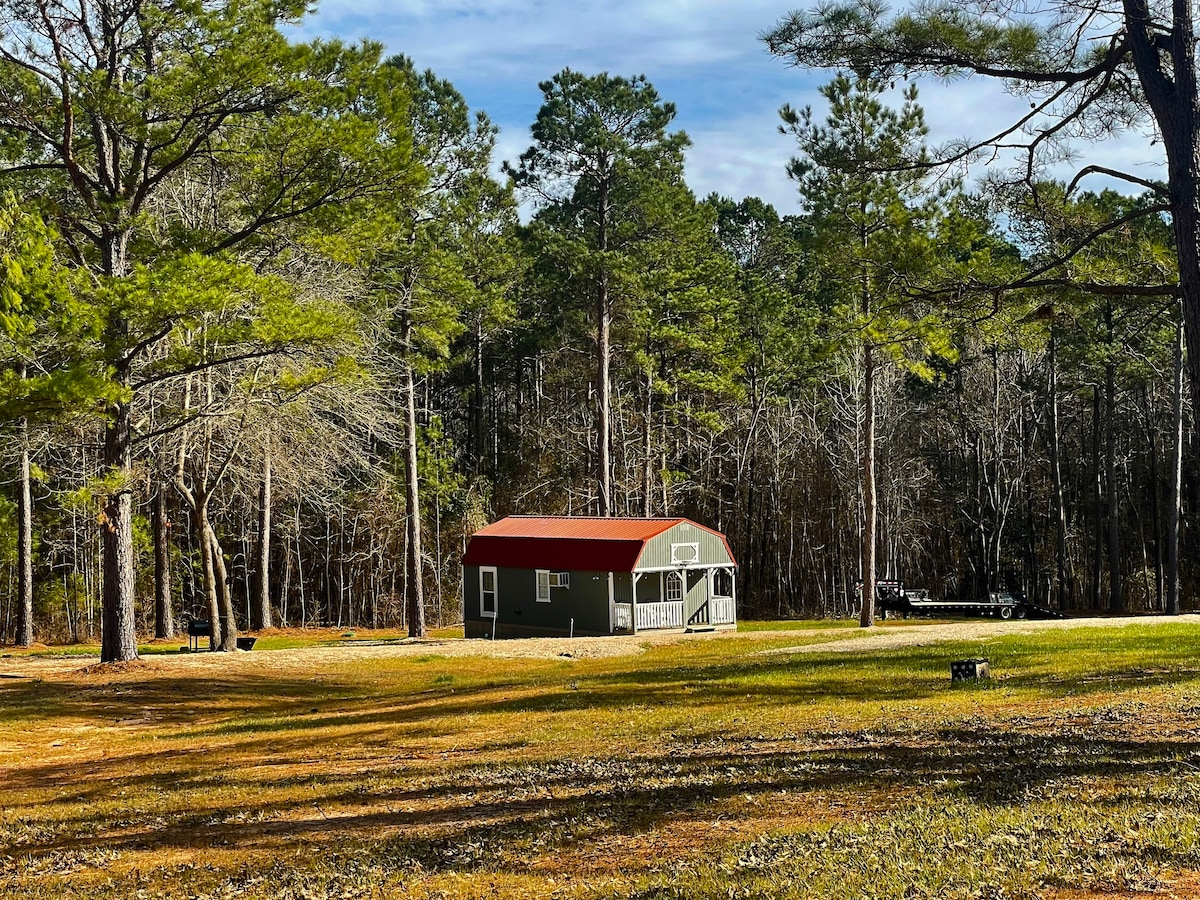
(838, 640)
(971, 630)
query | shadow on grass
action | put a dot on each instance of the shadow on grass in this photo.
(269, 742)
(469, 816)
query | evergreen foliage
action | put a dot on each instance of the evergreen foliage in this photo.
(274, 331)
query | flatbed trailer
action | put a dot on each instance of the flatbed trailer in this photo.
(894, 596)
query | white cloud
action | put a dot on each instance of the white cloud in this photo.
(746, 157)
(703, 55)
(515, 36)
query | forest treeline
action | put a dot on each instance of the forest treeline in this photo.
(277, 341)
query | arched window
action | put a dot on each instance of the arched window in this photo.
(674, 586)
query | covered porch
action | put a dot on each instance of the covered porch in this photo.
(683, 597)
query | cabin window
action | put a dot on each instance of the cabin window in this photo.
(543, 586)
(685, 553)
(560, 579)
(487, 592)
(674, 586)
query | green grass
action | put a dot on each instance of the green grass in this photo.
(710, 768)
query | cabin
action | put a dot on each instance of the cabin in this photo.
(527, 576)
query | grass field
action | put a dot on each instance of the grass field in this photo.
(820, 761)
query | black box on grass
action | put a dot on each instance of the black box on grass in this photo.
(969, 668)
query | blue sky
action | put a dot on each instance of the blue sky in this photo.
(705, 56)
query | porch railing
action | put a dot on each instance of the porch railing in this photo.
(660, 615)
(721, 611)
(651, 615)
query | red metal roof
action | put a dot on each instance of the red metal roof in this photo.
(585, 527)
(578, 543)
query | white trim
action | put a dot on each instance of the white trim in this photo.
(612, 605)
(495, 592)
(694, 546)
(539, 583)
(678, 568)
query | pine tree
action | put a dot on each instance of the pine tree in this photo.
(596, 140)
(871, 215)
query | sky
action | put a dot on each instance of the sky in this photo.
(705, 56)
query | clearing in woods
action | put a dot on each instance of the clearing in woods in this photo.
(818, 761)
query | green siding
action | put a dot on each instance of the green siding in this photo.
(649, 588)
(518, 610)
(623, 587)
(696, 594)
(657, 552)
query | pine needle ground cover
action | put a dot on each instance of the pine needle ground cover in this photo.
(818, 762)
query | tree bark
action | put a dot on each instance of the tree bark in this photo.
(118, 633)
(24, 635)
(262, 605)
(648, 450)
(1098, 505)
(208, 566)
(870, 501)
(412, 501)
(479, 438)
(603, 361)
(229, 629)
(1116, 602)
(1175, 490)
(118, 630)
(1155, 495)
(1064, 589)
(1166, 68)
(164, 617)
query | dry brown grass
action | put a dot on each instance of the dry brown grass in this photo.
(467, 769)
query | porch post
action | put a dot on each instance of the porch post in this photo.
(733, 592)
(633, 603)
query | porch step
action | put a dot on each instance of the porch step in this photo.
(692, 629)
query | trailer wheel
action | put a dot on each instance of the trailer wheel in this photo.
(1006, 612)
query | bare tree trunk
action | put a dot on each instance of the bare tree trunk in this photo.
(603, 360)
(1097, 505)
(24, 636)
(229, 629)
(1175, 491)
(164, 617)
(208, 565)
(870, 500)
(118, 632)
(415, 590)
(1064, 589)
(647, 451)
(479, 438)
(262, 605)
(1155, 493)
(1116, 601)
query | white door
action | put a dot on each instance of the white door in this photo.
(487, 592)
